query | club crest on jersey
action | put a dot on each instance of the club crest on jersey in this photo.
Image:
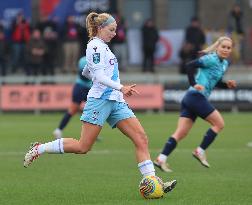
(96, 58)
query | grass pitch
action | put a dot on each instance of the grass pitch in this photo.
(108, 175)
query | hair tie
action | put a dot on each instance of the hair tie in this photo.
(94, 18)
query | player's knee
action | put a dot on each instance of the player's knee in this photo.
(219, 127)
(83, 150)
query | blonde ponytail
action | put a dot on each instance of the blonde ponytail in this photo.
(214, 46)
(91, 24)
(94, 20)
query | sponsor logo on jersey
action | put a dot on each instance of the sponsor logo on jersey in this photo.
(113, 61)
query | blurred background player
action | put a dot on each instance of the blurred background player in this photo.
(3, 50)
(71, 35)
(20, 35)
(79, 95)
(105, 102)
(193, 43)
(35, 51)
(150, 37)
(119, 42)
(236, 31)
(211, 68)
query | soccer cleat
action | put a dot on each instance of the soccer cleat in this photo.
(163, 166)
(201, 157)
(169, 186)
(32, 154)
(57, 133)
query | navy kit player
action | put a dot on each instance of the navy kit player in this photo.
(105, 102)
(79, 95)
(211, 68)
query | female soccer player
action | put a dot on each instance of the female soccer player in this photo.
(79, 95)
(105, 102)
(211, 68)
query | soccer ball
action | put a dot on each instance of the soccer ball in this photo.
(151, 187)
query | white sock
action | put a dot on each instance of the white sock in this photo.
(55, 146)
(162, 158)
(146, 168)
(200, 150)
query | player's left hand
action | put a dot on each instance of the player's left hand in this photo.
(129, 90)
(231, 84)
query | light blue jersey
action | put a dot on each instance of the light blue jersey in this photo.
(80, 78)
(210, 72)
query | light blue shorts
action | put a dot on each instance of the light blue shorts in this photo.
(97, 111)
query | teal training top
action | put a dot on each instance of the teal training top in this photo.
(210, 71)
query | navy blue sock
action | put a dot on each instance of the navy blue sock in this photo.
(208, 139)
(169, 146)
(64, 121)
